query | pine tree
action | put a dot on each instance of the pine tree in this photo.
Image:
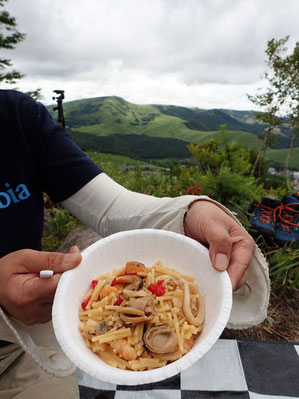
(280, 100)
(9, 38)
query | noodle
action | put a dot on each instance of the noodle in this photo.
(139, 318)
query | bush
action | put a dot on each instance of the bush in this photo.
(60, 224)
(230, 188)
(283, 265)
(284, 272)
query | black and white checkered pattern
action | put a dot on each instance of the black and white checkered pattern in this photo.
(238, 369)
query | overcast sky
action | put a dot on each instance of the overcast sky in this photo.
(195, 53)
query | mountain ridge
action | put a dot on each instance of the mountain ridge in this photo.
(113, 115)
(114, 111)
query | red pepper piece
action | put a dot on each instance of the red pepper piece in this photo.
(160, 288)
(157, 289)
(84, 303)
(152, 288)
(160, 291)
(118, 301)
(94, 283)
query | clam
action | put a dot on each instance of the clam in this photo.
(136, 267)
(161, 339)
(132, 282)
(137, 309)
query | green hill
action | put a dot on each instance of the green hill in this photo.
(276, 156)
(106, 115)
(122, 122)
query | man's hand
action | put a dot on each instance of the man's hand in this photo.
(24, 295)
(230, 246)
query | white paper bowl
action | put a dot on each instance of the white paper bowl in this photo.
(147, 246)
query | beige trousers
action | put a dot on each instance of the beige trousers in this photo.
(22, 378)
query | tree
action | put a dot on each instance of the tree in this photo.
(223, 172)
(281, 98)
(290, 73)
(215, 153)
(35, 94)
(9, 38)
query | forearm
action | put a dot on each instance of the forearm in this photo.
(107, 208)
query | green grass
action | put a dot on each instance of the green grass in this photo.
(161, 126)
(102, 159)
(279, 156)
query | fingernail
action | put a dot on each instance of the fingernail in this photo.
(221, 262)
(70, 260)
(74, 249)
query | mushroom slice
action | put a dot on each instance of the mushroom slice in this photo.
(198, 319)
(138, 310)
(132, 282)
(161, 339)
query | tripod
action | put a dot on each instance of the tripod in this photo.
(59, 108)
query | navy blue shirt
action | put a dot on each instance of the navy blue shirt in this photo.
(36, 155)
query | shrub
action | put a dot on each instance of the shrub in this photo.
(61, 223)
(230, 188)
(284, 272)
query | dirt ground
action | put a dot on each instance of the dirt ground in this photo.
(282, 323)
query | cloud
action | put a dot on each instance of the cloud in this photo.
(184, 45)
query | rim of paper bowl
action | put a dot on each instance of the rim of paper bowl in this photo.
(114, 375)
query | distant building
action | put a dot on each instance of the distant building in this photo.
(293, 175)
(150, 168)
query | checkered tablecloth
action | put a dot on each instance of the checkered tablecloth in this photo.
(238, 369)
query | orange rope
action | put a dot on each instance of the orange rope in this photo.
(266, 213)
(282, 215)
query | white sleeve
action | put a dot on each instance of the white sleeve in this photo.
(107, 207)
